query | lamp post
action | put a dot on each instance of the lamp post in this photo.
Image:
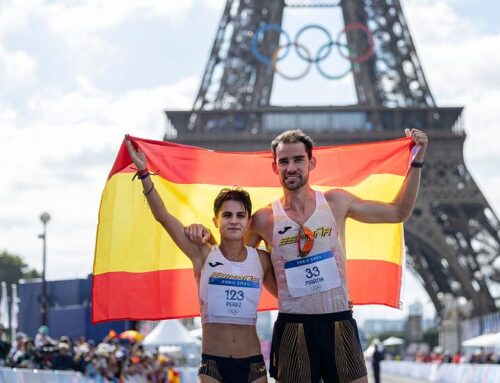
(464, 309)
(455, 310)
(44, 217)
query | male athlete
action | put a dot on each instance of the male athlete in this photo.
(315, 336)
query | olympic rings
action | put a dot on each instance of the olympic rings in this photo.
(254, 48)
(330, 76)
(322, 53)
(365, 56)
(318, 57)
(287, 46)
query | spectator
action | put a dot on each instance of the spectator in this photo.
(4, 348)
(42, 338)
(377, 357)
(457, 357)
(476, 357)
(17, 348)
(110, 361)
(29, 356)
(63, 360)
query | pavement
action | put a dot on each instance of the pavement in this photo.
(386, 378)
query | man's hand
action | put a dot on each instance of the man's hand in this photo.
(137, 156)
(199, 234)
(420, 139)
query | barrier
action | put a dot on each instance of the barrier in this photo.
(445, 372)
(21, 375)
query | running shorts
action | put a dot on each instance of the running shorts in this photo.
(233, 370)
(307, 348)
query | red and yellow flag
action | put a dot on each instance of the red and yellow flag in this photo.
(139, 273)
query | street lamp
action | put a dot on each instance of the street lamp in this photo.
(44, 217)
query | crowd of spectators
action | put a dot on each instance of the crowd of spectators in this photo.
(112, 360)
(477, 357)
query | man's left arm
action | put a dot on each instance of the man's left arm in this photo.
(401, 207)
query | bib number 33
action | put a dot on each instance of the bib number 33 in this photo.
(313, 274)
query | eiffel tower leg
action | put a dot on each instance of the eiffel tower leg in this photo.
(453, 235)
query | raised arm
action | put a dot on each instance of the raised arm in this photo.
(401, 207)
(171, 224)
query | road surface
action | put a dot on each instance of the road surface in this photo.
(386, 378)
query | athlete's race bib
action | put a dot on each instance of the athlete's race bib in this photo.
(314, 274)
(233, 297)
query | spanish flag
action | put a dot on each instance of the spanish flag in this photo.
(139, 273)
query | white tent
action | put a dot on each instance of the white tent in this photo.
(368, 353)
(485, 340)
(393, 341)
(169, 333)
(197, 333)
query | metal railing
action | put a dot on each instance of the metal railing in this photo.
(251, 122)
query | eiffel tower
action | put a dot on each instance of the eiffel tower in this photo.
(453, 236)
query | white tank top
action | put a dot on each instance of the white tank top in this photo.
(229, 291)
(316, 283)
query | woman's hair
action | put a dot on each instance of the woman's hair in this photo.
(233, 194)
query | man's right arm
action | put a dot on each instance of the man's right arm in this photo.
(260, 228)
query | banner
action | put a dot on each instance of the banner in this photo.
(139, 273)
(4, 307)
(14, 311)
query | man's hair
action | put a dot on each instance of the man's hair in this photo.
(233, 194)
(293, 137)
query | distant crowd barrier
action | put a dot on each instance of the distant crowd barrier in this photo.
(445, 372)
(21, 375)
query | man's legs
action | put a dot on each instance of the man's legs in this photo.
(307, 348)
(290, 353)
(342, 357)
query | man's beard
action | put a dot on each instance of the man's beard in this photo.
(301, 181)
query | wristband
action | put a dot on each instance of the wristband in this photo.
(415, 164)
(141, 174)
(146, 193)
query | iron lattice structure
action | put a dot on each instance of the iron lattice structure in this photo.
(453, 237)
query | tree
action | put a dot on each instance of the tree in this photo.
(13, 268)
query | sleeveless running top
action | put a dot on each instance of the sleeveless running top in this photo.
(229, 291)
(316, 283)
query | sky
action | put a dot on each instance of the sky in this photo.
(75, 76)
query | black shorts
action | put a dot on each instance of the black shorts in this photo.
(307, 348)
(233, 370)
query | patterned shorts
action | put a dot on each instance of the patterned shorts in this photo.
(307, 348)
(233, 370)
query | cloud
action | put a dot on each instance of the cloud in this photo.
(86, 16)
(83, 25)
(14, 14)
(97, 15)
(61, 127)
(437, 22)
(17, 68)
(461, 68)
(62, 152)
